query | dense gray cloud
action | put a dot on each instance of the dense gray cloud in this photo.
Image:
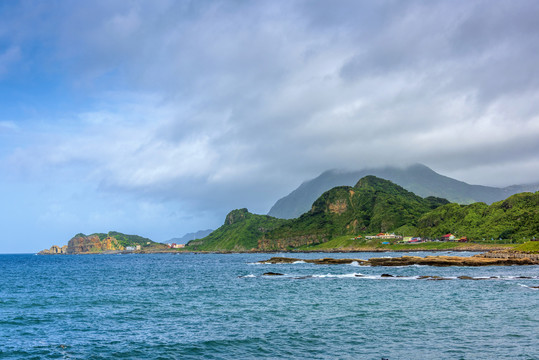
(223, 104)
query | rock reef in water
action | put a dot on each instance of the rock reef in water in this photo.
(324, 261)
(476, 260)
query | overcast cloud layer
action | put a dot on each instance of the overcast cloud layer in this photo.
(158, 117)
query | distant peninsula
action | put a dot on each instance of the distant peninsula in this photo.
(110, 242)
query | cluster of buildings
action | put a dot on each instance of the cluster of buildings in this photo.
(176, 246)
(413, 239)
(385, 236)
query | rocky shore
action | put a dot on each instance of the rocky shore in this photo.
(476, 260)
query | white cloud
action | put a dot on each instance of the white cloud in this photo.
(219, 99)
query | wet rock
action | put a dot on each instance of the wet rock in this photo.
(413, 260)
(272, 274)
(386, 275)
(324, 261)
(280, 260)
(438, 278)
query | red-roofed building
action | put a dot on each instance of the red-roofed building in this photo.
(448, 237)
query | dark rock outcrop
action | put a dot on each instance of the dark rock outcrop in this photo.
(324, 261)
(476, 260)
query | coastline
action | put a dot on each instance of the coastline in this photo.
(480, 248)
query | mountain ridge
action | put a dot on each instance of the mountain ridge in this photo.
(416, 178)
(190, 236)
(372, 205)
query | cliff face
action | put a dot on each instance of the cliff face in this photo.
(54, 250)
(81, 244)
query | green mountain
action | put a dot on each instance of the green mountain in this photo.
(516, 218)
(240, 232)
(418, 178)
(372, 205)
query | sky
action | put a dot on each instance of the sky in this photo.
(158, 117)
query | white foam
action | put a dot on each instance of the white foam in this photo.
(529, 287)
(338, 275)
(354, 263)
(247, 276)
(299, 262)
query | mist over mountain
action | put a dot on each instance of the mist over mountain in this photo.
(190, 236)
(417, 178)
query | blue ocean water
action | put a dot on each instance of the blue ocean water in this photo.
(216, 306)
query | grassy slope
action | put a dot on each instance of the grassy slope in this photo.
(373, 205)
(530, 246)
(515, 218)
(346, 243)
(241, 232)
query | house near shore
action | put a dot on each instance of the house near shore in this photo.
(176, 246)
(412, 240)
(385, 236)
(448, 237)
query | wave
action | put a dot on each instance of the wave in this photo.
(389, 277)
(339, 275)
(530, 287)
(247, 276)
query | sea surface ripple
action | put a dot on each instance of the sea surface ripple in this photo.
(221, 306)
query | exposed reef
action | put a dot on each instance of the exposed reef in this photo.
(476, 260)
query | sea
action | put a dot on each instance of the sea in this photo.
(222, 306)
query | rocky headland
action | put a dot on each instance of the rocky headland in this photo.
(81, 244)
(99, 243)
(54, 250)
